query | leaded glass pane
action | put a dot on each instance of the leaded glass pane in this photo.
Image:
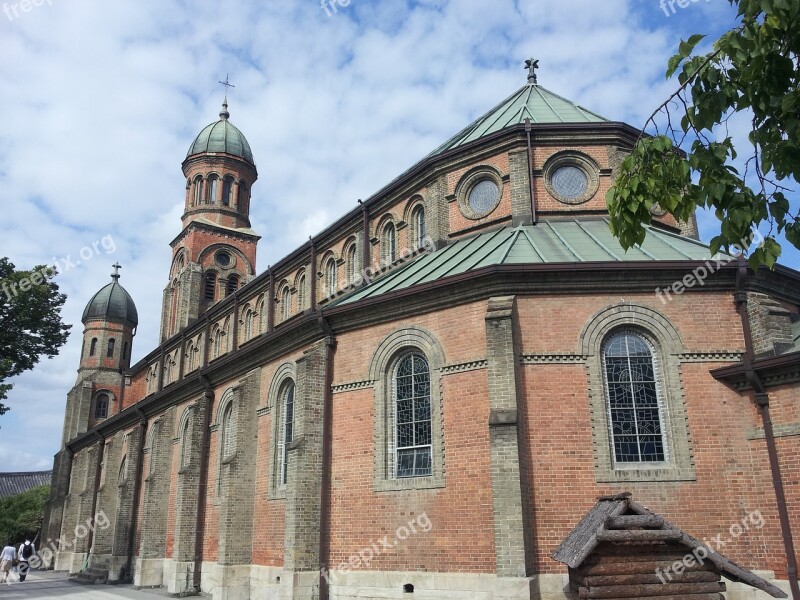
(484, 196)
(412, 414)
(570, 182)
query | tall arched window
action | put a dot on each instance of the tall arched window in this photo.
(198, 191)
(227, 189)
(110, 351)
(213, 189)
(351, 263)
(287, 429)
(186, 441)
(330, 277)
(93, 347)
(210, 286)
(123, 471)
(101, 406)
(411, 390)
(286, 303)
(233, 284)
(249, 319)
(241, 200)
(190, 357)
(301, 293)
(151, 467)
(125, 349)
(418, 220)
(634, 406)
(228, 441)
(388, 244)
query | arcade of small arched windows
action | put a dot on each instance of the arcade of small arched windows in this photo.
(218, 190)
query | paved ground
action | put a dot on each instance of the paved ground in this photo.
(47, 584)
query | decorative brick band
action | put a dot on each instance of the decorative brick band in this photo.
(785, 430)
(353, 385)
(473, 365)
(567, 359)
(711, 356)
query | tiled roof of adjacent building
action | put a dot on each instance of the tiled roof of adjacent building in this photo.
(532, 102)
(12, 484)
(563, 241)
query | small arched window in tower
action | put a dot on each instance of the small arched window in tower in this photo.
(241, 201)
(93, 347)
(351, 263)
(213, 189)
(388, 245)
(101, 406)
(330, 277)
(198, 191)
(227, 190)
(210, 288)
(286, 303)
(301, 294)
(125, 350)
(110, 351)
(233, 284)
(418, 220)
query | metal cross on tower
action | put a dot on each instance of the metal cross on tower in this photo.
(115, 274)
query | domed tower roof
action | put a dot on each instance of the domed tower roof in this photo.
(222, 136)
(112, 303)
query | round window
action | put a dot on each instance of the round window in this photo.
(569, 182)
(484, 196)
(223, 258)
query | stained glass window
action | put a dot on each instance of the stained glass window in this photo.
(412, 417)
(634, 409)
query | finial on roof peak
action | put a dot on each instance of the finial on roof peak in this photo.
(115, 274)
(224, 114)
(532, 64)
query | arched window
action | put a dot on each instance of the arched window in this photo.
(411, 391)
(93, 347)
(123, 471)
(634, 406)
(186, 441)
(125, 349)
(219, 338)
(198, 191)
(228, 441)
(213, 189)
(388, 244)
(151, 467)
(241, 200)
(101, 406)
(233, 284)
(330, 277)
(301, 294)
(210, 287)
(227, 189)
(286, 303)
(351, 263)
(249, 319)
(287, 429)
(418, 221)
(110, 351)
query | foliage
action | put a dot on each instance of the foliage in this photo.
(753, 69)
(21, 515)
(30, 321)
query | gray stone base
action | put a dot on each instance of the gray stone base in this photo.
(115, 566)
(149, 572)
(72, 562)
(233, 582)
(265, 582)
(178, 576)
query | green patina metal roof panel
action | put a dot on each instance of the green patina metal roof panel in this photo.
(554, 242)
(533, 102)
(222, 136)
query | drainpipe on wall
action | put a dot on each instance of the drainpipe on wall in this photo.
(137, 491)
(762, 402)
(202, 486)
(327, 443)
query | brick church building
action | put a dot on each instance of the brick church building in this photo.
(428, 397)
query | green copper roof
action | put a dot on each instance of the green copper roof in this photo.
(548, 242)
(531, 102)
(112, 303)
(222, 136)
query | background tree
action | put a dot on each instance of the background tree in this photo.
(30, 321)
(21, 515)
(753, 69)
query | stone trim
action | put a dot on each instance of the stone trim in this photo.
(783, 430)
(263, 411)
(352, 386)
(711, 356)
(473, 365)
(553, 358)
(772, 380)
(668, 346)
(381, 370)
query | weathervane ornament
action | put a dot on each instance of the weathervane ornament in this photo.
(532, 64)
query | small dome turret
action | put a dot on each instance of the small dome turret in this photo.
(112, 303)
(222, 137)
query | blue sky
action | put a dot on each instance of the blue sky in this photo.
(102, 101)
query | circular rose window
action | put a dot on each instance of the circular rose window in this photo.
(223, 258)
(484, 196)
(569, 182)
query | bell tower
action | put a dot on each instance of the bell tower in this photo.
(215, 253)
